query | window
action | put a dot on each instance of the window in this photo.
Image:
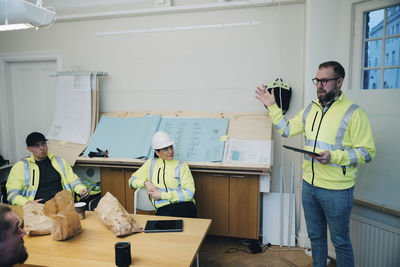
(381, 45)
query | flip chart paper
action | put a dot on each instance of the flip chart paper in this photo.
(73, 114)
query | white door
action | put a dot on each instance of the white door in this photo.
(31, 93)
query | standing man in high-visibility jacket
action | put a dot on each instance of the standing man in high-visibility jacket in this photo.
(39, 177)
(339, 131)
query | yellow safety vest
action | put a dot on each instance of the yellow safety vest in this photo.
(344, 130)
(173, 178)
(23, 180)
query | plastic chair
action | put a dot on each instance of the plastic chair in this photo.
(143, 202)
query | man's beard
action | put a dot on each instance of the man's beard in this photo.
(329, 96)
(19, 258)
(22, 256)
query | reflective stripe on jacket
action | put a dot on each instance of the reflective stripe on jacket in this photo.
(344, 130)
(93, 187)
(173, 178)
(23, 180)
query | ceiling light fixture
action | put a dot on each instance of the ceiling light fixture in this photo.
(20, 14)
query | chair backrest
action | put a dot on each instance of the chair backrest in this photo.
(142, 201)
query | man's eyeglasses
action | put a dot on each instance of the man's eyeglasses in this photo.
(37, 145)
(323, 81)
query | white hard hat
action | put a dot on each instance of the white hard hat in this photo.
(160, 140)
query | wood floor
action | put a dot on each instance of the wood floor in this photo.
(224, 251)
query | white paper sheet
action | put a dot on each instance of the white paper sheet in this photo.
(72, 118)
(248, 151)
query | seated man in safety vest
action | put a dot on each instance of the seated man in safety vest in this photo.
(39, 177)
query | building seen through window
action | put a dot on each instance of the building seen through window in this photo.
(381, 67)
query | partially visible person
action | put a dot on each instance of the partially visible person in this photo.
(12, 249)
(39, 177)
(339, 131)
(169, 182)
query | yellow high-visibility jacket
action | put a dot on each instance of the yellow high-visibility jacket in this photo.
(344, 130)
(23, 180)
(173, 178)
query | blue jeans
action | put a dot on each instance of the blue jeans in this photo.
(324, 207)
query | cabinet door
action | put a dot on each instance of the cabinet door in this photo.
(215, 202)
(112, 180)
(244, 208)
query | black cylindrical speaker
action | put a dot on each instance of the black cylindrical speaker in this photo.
(123, 254)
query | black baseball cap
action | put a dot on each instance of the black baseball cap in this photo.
(34, 138)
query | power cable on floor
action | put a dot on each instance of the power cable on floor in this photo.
(252, 245)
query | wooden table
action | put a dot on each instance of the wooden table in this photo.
(94, 246)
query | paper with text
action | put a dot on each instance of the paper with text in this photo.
(72, 117)
(248, 151)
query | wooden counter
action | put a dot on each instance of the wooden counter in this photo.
(210, 167)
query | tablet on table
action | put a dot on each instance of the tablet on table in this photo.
(156, 226)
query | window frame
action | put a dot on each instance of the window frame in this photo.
(358, 64)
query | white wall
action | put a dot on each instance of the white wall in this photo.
(194, 70)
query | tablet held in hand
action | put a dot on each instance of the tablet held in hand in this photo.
(301, 150)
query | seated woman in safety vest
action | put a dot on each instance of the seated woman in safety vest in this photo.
(169, 182)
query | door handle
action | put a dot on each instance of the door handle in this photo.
(238, 176)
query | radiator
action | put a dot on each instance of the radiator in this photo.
(374, 244)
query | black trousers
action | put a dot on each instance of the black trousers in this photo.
(181, 209)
